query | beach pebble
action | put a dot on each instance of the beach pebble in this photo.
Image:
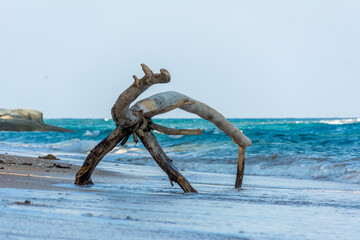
(26, 163)
(49, 156)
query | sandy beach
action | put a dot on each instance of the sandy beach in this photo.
(196, 119)
(41, 174)
(40, 201)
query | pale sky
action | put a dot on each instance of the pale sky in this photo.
(247, 59)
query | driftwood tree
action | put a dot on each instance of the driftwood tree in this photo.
(136, 121)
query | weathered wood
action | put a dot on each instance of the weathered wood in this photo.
(165, 99)
(169, 108)
(120, 111)
(240, 167)
(83, 176)
(125, 139)
(137, 121)
(173, 131)
(164, 162)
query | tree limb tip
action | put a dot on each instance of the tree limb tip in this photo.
(173, 131)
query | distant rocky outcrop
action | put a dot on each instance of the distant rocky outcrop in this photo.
(25, 120)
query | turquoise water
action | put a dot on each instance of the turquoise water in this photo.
(325, 149)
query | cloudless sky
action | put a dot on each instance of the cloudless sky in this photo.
(247, 59)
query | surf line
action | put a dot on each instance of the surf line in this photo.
(32, 175)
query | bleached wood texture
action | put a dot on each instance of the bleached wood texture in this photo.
(165, 99)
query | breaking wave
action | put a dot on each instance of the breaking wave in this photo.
(341, 121)
(92, 133)
(327, 149)
(75, 145)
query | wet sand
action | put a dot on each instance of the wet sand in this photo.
(36, 173)
(137, 202)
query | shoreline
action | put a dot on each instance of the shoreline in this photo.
(24, 172)
(137, 202)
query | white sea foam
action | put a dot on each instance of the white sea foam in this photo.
(92, 133)
(176, 136)
(126, 152)
(302, 122)
(155, 131)
(341, 121)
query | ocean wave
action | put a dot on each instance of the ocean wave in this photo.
(75, 145)
(322, 171)
(92, 133)
(303, 122)
(133, 151)
(300, 148)
(320, 168)
(341, 121)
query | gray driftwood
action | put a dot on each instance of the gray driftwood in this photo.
(136, 121)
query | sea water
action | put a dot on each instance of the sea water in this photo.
(322, 149)
(301, 182)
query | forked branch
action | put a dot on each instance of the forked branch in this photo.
(137, 121)
(120, 111)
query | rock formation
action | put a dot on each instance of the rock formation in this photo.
(25, 120)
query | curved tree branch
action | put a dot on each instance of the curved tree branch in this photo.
(166, 99)
(173, 131)
(169, 108)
